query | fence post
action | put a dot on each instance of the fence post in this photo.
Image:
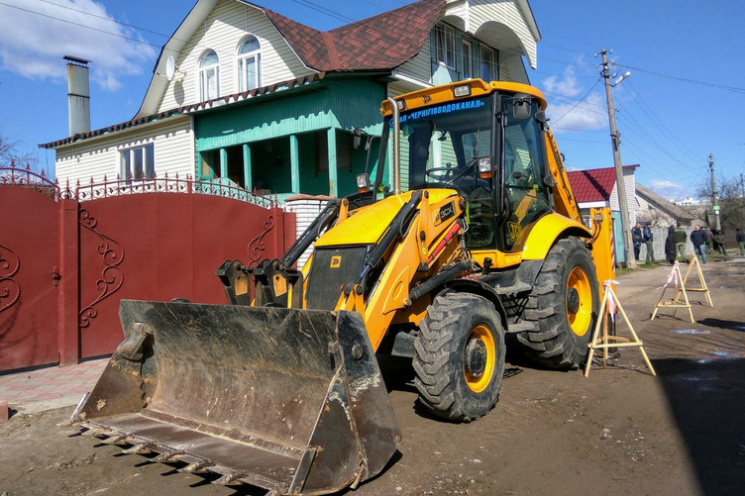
(69, 294)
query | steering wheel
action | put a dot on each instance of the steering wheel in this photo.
(449, 172)
(435, 172)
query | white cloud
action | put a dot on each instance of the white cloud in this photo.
(668, 189)
(570, 114)
(35, 36)
(566, 86)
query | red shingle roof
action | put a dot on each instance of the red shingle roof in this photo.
(381, 42)
(594, 185)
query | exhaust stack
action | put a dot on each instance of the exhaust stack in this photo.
(78, 95)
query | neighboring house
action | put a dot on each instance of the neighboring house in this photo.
(244, 96)
(661, 212)
(595, 188)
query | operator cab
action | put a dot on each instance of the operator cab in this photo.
(489, 148)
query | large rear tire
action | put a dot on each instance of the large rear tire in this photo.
(563, 307)
(460, 357)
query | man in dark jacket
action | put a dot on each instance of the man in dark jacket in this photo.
(740, 238)
(648, 238)
(636, 238)
(670, 245)
(698, 238)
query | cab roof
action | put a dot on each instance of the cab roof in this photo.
(445, 93)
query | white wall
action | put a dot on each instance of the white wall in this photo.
(96, 158)
(223, 31)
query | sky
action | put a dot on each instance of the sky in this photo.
(682, 101)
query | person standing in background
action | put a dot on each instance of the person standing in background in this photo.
(719, 242)
(636, 238)
(698, 238)
(670, 245)
(648, 238)
(680, 241)
(740, 238)
(709, 239)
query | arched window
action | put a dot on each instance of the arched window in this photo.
(209, 76)
(249, 64)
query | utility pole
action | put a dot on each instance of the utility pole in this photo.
(714, 198)
(620, 184)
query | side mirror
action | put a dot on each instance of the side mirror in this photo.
(357, 140)
(521, 106)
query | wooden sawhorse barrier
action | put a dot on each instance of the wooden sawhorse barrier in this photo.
(703, 288)
(674, 278)
(605, 341)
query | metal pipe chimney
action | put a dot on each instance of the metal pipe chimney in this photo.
(78, 95)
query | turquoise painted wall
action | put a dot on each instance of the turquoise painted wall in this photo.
(339, 103)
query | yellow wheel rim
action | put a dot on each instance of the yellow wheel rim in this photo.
(479, 382)
(579, 318)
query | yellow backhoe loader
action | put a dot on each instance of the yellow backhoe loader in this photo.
(479, 236)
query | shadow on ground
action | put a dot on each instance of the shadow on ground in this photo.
(707, 397)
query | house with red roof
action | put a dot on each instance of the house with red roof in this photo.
(243, 96)
(596, 188)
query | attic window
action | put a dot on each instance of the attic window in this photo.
(249, 64)
(209, 76)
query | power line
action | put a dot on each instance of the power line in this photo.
(119, 35)
(109, 19)
(686, 80)
(578, 102)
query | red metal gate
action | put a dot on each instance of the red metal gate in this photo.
(29, 261)
(65, 264)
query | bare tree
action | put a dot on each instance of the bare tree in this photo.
(731, 202)
(11, 151)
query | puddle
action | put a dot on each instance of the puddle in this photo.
(729, 355)
(729, 287)
(691, 331)
(738, 327)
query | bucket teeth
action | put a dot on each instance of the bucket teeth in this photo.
(118, 439)
(139, 448)
(197, 467)
(229, 478)
(102, 433)
(168, 456)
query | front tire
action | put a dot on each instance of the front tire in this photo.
(460, 357)
(563, 307)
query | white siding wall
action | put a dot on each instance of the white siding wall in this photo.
(98, 157)
(629, 180)
(223, 30)
(472, 15)
(306, 210)
(508, 14)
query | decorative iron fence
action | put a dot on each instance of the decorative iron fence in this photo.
(16, 176)
(116, 187)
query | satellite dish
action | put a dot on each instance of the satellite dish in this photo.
(170, 68)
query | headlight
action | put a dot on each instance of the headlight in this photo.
(462, 90)
(486, 170)
(363, 183)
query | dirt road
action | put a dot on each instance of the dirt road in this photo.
(620, 431)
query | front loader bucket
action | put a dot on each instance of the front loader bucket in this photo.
(288, 400)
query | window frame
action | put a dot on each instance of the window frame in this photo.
(492, 62)
(204, 73)
(467, 61)
(445, 52)
(241, 64)
(129, 156)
